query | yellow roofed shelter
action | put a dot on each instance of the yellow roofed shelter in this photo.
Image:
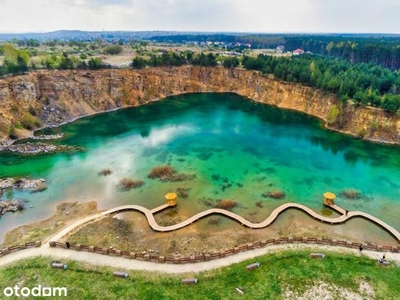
(329, 198)
(172, 199)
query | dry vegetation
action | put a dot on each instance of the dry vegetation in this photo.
(105, 172)
(168, 173)
(183, 192)
(259, 204)
(126, 184)
(161, 172)
(226, 204)
(274, 194)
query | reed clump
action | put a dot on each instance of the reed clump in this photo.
(214, 221)
(226, 204)
(126, 184)
(274, 194)
(161, 172)
(352, 194)
(105, 172)
(168, 173)
(259, 204)
(183, 192)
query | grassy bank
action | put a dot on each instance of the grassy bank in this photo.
(279, 273)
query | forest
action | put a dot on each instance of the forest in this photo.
(364, 83)
(380, 49)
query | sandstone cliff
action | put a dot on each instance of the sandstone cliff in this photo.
(56, 97)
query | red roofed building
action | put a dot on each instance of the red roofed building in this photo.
(298, 52)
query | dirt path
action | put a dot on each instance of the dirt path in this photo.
(128, 264)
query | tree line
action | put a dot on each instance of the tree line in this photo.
(355, 48)
(364, 83)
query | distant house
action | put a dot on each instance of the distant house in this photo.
(298, 52)
(280, 49)
(309, 52)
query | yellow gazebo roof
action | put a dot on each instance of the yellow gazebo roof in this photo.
(171, 196)
(329, 195)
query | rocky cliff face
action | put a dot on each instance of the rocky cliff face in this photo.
(56, 97)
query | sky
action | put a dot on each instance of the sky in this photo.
(314, 16)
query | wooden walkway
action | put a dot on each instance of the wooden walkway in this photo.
(271, 218)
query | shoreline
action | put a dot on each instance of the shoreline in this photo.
(308, 100)
(303, 225)
(4, 144)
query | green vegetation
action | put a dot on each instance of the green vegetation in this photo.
(278, 271)
(378, 49)
(30, 122)
(171, 58)
(113, 50)
(367, 84)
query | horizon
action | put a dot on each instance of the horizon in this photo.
(292, 16)
(204, 32)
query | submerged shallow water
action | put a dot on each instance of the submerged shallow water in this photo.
(238, 150)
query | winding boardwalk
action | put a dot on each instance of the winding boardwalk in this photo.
(271, 218)
(120, 262)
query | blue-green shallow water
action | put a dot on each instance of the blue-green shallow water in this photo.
(254, 148)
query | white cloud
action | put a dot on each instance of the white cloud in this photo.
(205, 15)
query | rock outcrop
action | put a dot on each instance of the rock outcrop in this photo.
(22, 184)
(11, 206)
(57, 97)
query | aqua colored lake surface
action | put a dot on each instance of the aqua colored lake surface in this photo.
(237, 149)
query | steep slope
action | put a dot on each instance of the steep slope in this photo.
(56, 97)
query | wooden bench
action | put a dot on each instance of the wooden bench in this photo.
(317, 255)
(383, 262)
(58, 265)
(189, 281)
(253, 266)
(121, 274)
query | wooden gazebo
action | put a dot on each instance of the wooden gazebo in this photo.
(329, 198)
(172, 199)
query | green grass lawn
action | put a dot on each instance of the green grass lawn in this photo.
(277, 271)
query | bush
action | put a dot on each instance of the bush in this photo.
(11, 133)
(95, 63)
(30, 122)
(113, 50)
(138, 63)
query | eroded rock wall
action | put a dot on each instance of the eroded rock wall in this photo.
(56, 97)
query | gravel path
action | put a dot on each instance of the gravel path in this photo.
(128, 264)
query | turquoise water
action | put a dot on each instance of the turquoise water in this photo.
(238, 150)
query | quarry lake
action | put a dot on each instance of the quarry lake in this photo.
(238, 149)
